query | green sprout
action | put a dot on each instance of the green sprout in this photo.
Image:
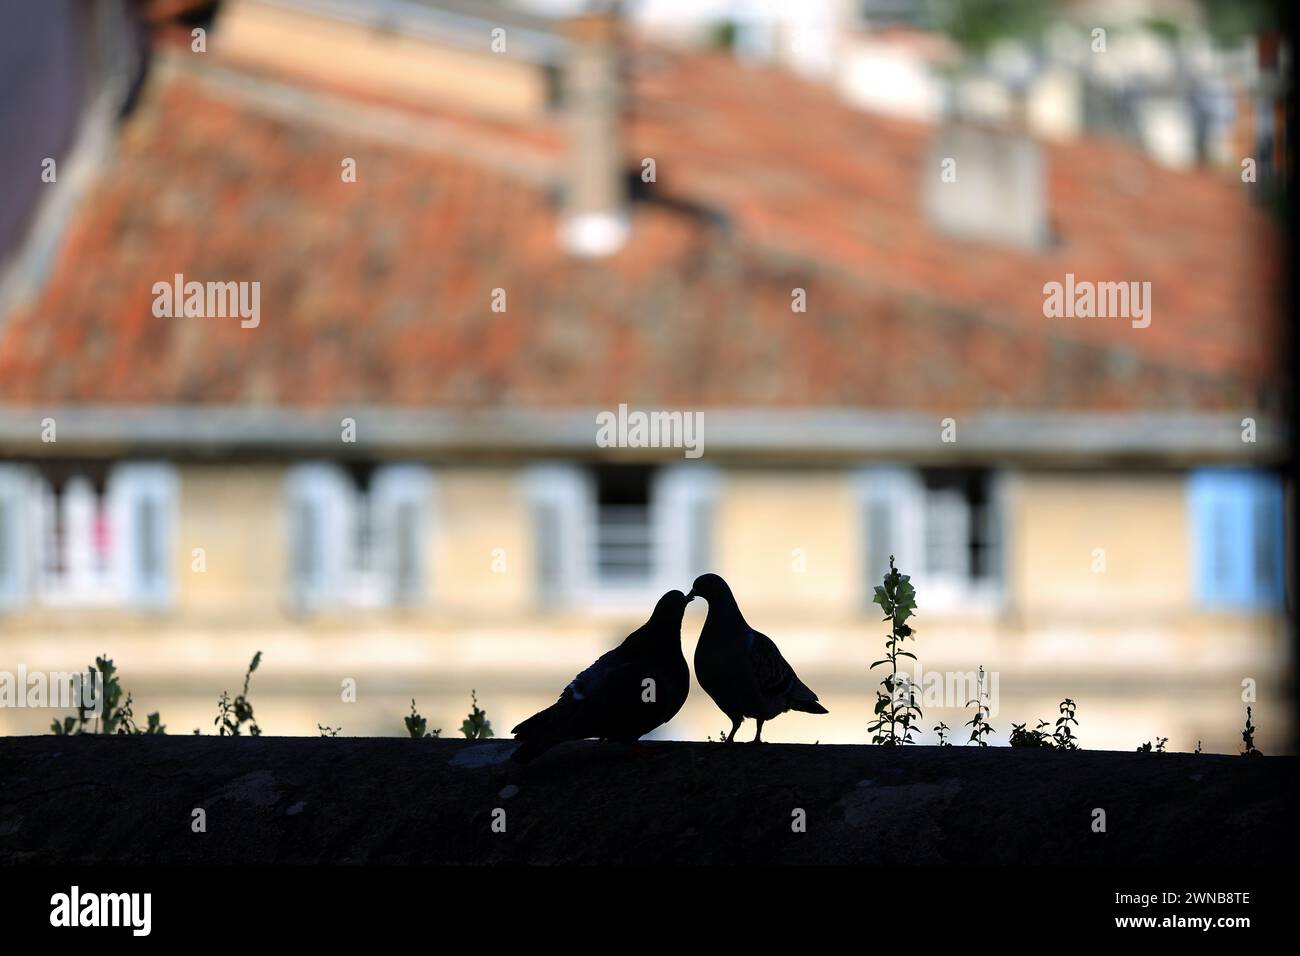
(1065, 739)
(417, 726)
(233, 714)
(476, 726)
(1248, 737)
(1023, 737)
(896, 703)
(980, 727)
(111, 718)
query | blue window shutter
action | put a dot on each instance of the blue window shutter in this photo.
(1270, 554)
(17, 506)
(1237, 537)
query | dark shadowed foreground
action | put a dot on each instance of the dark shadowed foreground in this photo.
(383, 800)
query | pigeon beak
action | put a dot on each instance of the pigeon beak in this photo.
(690, 596)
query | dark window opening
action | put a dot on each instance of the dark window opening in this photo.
(624, 543)
(362, 546)
(960, 523)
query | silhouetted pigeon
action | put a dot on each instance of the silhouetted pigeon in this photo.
(741, 669)
(611, 698)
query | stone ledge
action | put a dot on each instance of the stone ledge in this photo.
(387, 800)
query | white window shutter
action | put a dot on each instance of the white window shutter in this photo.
(401, 502)
(142, 501)
(18, 506)
(89, 573)
(321, 504)
(684, 502)
(562, 499)
(891, 502)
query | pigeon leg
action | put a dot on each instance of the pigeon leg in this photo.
(735, 725)
(758, 734)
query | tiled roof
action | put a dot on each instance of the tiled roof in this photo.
(379, 292)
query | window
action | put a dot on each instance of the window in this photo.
(76, 542)
(87, 533)
(960, 530)
(357, 534)
(942, 525)
(611, 532)
(624, 555)
(1237, 532)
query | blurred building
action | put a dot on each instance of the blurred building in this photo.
(1190, 82)
(476, 230)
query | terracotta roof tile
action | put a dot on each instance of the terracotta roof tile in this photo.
(379, 291)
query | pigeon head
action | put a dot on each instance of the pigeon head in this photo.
(670, 608)
(713, 589)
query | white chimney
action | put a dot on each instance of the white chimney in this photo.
(595, 218)
(987, 185)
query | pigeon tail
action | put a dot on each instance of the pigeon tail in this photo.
(808, 707)
(541, 732)
(803, 698)
(533, 724)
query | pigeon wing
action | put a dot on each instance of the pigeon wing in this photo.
(592, 701)
(594, 685)
(772, 675)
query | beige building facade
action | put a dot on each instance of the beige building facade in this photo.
(509, 577)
